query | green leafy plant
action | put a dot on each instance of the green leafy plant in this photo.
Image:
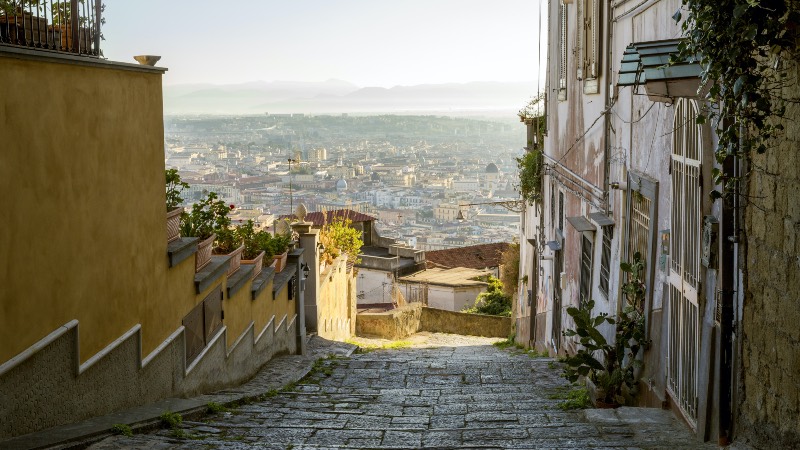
(254, 241)
(215, 408)
(339, 237)
(174, 188)
(492, 302)
(122, 429)
(609, 365)
(574, 397)
(509, 269)
(206, 217)
(227, 240)
(170, 419)
(276, 244)
(745, 49)
(530, 175)
(634, 289)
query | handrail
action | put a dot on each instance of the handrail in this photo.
(69, 26)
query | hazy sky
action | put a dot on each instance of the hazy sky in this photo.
(366, 42)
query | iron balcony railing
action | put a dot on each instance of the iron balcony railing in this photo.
(71, 26)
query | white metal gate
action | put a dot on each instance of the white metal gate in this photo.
(684, 274)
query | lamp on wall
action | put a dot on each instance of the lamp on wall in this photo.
(306, 271)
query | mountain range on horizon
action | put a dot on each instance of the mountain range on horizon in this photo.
(337, 96)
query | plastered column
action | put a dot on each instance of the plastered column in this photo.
(309, 238)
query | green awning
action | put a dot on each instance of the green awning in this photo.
(648, 64)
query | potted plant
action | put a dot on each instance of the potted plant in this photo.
(279, 247)
(174, 188)
(228, 242)
(256, 246)
(206, 217)
(610, 367)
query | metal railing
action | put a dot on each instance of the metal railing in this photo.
(71, 26)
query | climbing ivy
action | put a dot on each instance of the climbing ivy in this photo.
(530, 175)
(743, 47)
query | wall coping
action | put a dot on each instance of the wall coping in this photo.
(68, 58)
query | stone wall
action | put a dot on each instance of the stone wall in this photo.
(769, 389)
(441, 321)
(395, 324)
(46, 385)
(409, 319)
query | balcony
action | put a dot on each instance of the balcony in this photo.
(70, 26)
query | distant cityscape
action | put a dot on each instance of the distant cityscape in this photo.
(414, 174)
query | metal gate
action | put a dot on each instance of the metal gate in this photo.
(684, 274)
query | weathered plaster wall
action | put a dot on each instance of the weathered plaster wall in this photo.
(769, 410)
(335, 302)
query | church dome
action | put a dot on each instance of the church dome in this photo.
(492, 168)
(341, 185)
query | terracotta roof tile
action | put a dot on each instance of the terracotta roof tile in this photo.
(473, 257)
(318, 219)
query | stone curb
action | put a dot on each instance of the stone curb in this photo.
(145, 418)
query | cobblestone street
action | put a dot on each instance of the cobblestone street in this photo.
(444, 392)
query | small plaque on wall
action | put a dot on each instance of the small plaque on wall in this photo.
(709, 237)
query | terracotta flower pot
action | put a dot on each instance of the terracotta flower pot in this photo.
(203, 256)
(280, 261)
(174, 224)
(236, 260)
(258, 262)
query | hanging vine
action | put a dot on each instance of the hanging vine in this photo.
(745, 48)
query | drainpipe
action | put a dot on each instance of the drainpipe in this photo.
(607, 133)
(729, 240)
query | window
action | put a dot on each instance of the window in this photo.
(562, 47)
(561, 211)
(586, 269)
(605, 259)
(589, 69)
(553, 205)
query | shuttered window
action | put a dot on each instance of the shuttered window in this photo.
(562, 46)
(605, 259)
(590, 64)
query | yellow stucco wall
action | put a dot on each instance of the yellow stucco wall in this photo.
(262, 309)
(83, 235)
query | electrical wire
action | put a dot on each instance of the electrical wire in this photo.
(602, 114)
(637, 120)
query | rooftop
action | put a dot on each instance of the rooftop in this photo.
(319, 219)
(457, 277)
(474, 256)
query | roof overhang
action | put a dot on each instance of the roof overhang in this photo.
(601, 219)
(648, 64)
(581, 223)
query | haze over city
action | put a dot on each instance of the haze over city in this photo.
(235, 57)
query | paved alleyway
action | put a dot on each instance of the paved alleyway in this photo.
(449, 392)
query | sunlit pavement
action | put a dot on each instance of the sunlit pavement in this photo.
(434, 391)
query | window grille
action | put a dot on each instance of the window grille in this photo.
(561, 211)
(586, 269)
(605, 259)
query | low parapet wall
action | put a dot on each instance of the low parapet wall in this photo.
(442, 321)
(395, 324)
(407, 320)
